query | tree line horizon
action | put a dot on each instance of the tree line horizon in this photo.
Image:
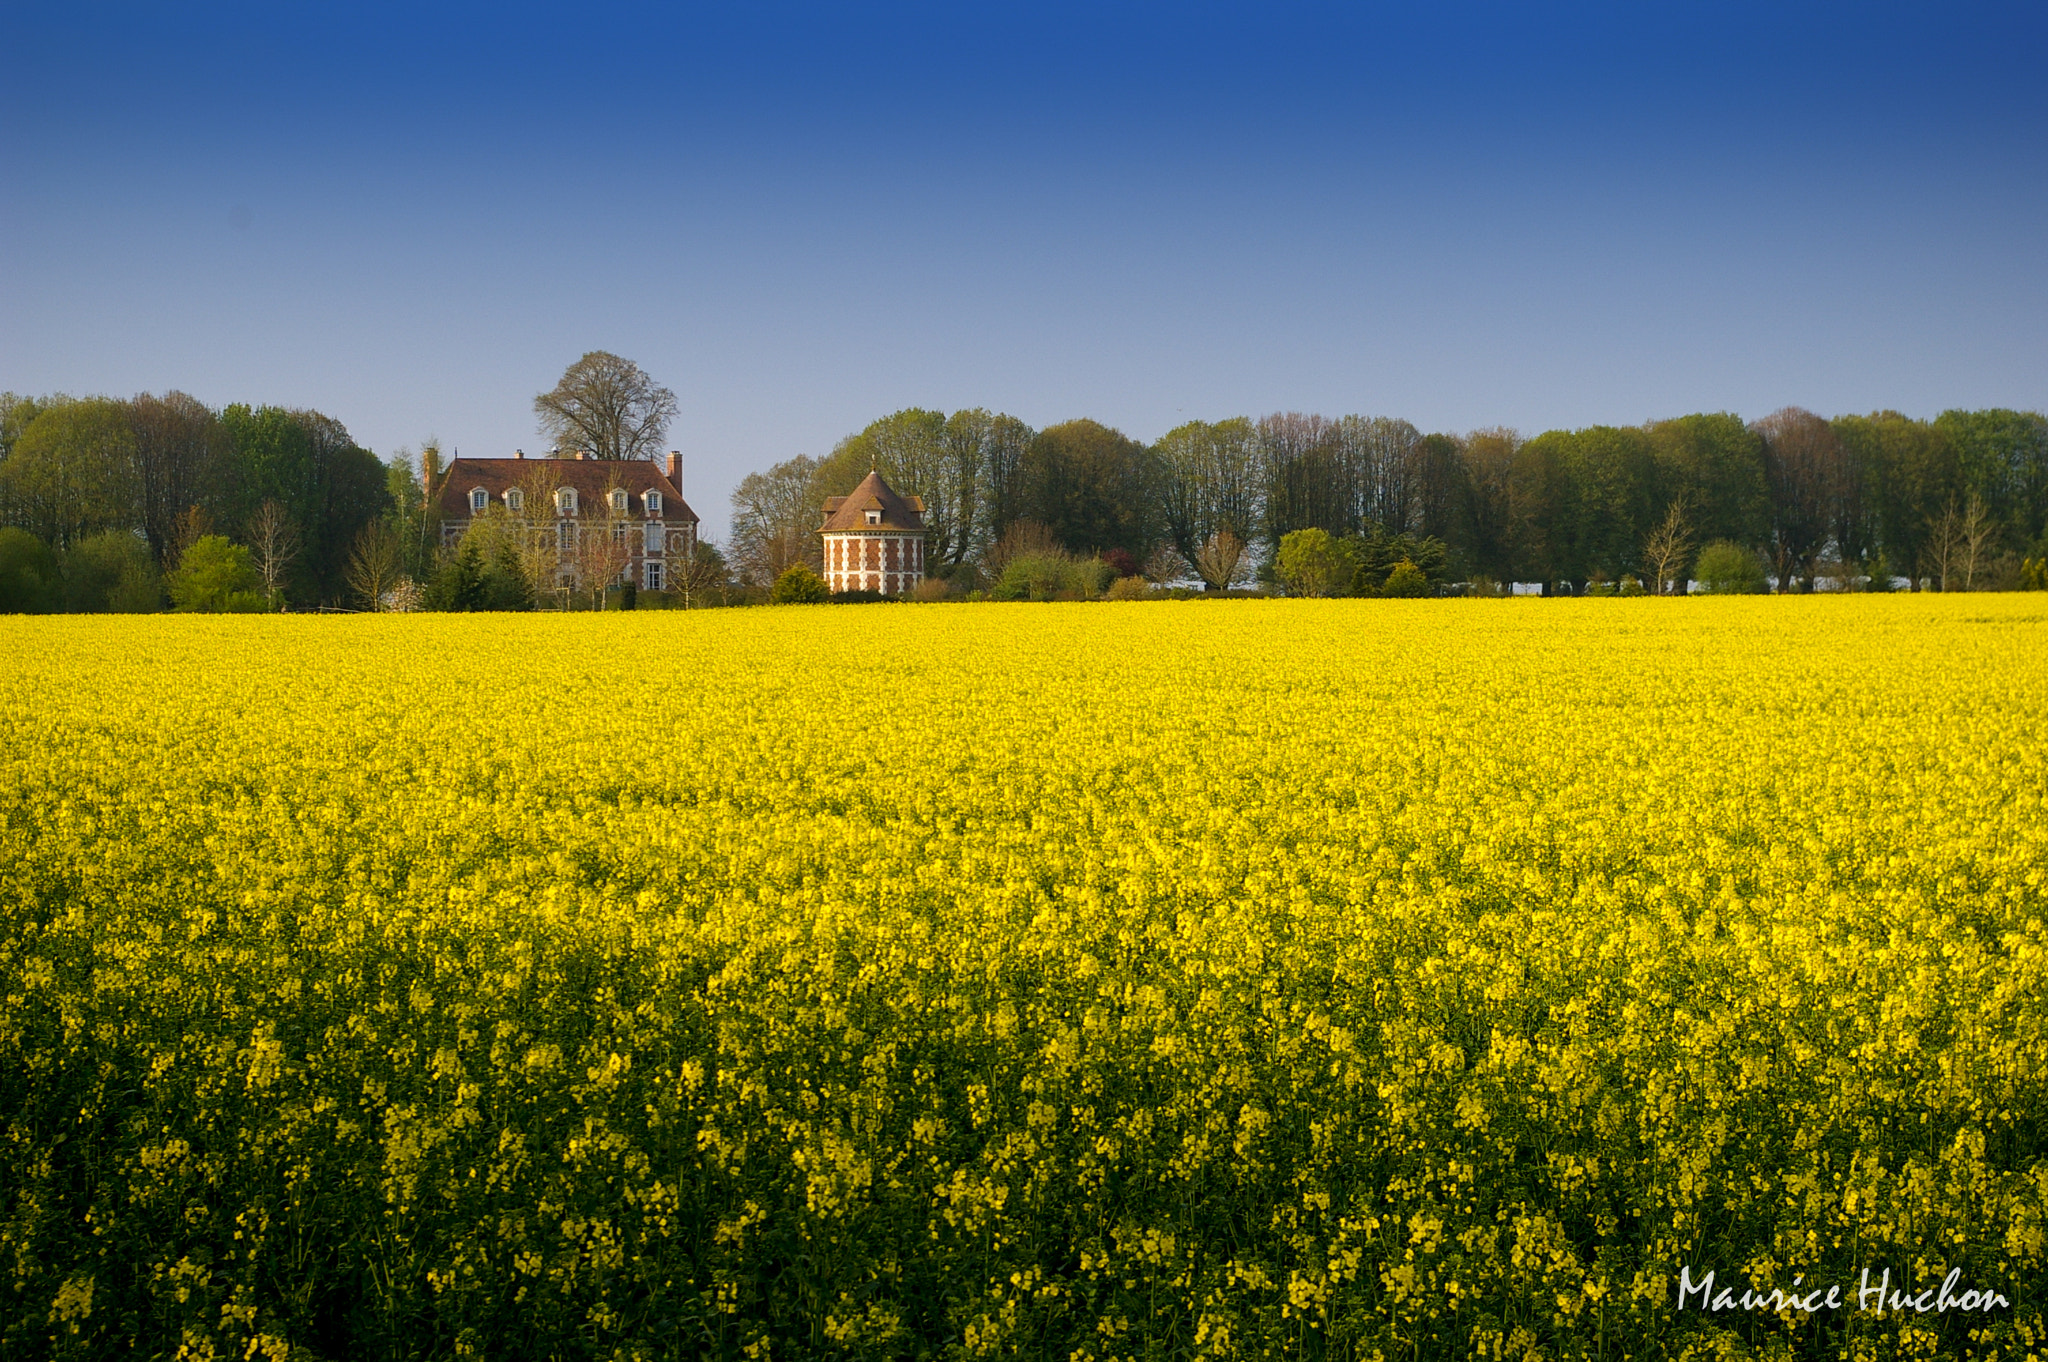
(1959, 500)
(101, 499)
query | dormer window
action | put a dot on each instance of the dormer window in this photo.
(653, 500)
(874, 517)
(515, 501)
(478, 500)
(618, 500)
(565, 500)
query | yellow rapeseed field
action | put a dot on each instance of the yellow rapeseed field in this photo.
(1157, 980)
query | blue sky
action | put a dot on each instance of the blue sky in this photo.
(801, 217)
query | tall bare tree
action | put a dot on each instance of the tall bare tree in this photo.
(607, 406)
(178, 449)
(274, 544)
(1210, 483)
(1381, 462)
(701, 572)
(1669, 545)
(373, 563)
(1957, 540)
(1306, 483)
(603, 546)
(537, 527)
(775, 520)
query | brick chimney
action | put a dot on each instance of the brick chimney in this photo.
(675, 471)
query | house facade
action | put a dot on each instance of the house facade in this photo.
(874, 540)
(616, 519)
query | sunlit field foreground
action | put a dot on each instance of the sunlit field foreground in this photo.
(1161, 980)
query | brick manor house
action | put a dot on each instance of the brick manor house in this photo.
(874, 540)
(638, 502)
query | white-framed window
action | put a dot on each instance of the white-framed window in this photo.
(478, 500)
(653, 544)
(618, 532)
(874, 517)
(653, 500)
(618, 500)
(515, 501)
(565, 500)
(566, 536)
(652, 575)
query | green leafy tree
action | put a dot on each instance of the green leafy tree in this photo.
(29, 581)
(1726, 568)
(111, 571)
(505, 584)
(71, 472)
(1802, 467)
(215, 574)
(1714, 464)
(1093, 487)
(798, 585)
(329, 487)
(459, 583)
(2002, 457)
(1310, 563)
(1911, 474)
(1489, 530)
(1440, 491)
(1375, 554)
(1542, 508)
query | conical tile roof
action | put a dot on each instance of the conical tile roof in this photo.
(873, 494)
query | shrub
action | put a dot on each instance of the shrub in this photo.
(1129, 589)
(1052, 576)
(216, 575)
(932, 589)
(112, 570)
(798, 585)
(1405, 579)
(1725, 568)
(28, 574)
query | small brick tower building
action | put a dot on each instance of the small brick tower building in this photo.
(874, 540)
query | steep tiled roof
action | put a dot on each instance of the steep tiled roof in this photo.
(591, 478)
(850, 512)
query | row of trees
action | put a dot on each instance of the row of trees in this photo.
(165, 472)
(1951, 501)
